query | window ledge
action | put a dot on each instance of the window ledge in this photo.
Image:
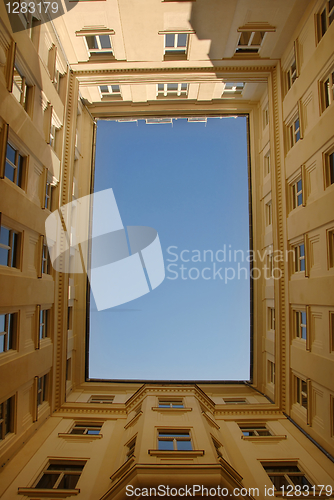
(47, 493)
(157, 408)
(175, 57)
(80, 437)
(176, 453)
(264, 439)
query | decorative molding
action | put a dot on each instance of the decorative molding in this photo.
(264, 439)
(133, 420)
(47, 493)
(79, 438)
(209, 419)
(170, 410)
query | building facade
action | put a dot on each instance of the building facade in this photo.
(65, 435)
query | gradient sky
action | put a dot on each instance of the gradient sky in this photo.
(189, 182)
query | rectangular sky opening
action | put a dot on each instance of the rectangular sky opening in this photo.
(177, 296)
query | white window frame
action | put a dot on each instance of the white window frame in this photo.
(232, 89)
(10, 331)
(99, 50)
(176, 50)
(296, 193)
(300, 324)
(249, 48)
(299, 258)
(167, 92)
(110, 92)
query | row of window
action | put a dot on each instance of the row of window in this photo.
(231, 89)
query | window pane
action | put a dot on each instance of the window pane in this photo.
(303, 313)
(66, 466)
(104, 89)
(257, 38)
(302, 250)
(302, 265)
(166, 445)
(9, 172)
(2, 322)
(47, 481)
(115, 88)
(11, 331)
(281, 468)
(14, 245)
(299, 200)
(68, 482)
(105, 41)
(160, 86)
(78, 430)
(10, 153)
(184, 445)
(184, 86)
(323, 20)
(169, 40)
(2, 343)
(19, 171)
(171, 86)
(331, 167)
(93, 432)
(182, 40)
(278, 481)
(300, 480)
(91, 42)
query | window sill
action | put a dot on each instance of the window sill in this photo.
(80, 437)
(178, 410)
(264, 439)
(176, 454)
(175, 57)
(46, 493)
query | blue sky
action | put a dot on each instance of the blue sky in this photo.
(189, 182)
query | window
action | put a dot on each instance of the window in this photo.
(99, 45)
(49, 191)
(86, 428)
(269, 214)
(297, 193)
(265, 116)
(294, 132)
(131, 449)
(19, 89)
(326, 17)
(174, 440)
(101, 399)
(60, 474)
(235, 401)
(68, 369)
(291, 74)
(283, 475)
(15, 166)
(270, 264)
(9, 247)
(250, 42)
(176, 44)
(329, 168)
(172, 90)
(110, 90)
(168, 403)
(301, 392)
(301, 324)
(271, 318)
(327, 87)
(42, 389)
(231, 89)
(43, 323)
(267, 163)
(70, 317)
(251, 430)
(330, 240)
(271, 372)
(46, 264)
(7, 417)
(8, 332)
(299, 258)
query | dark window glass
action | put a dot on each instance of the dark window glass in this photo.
(166, 445)
(184, 445)
(47, 481)
(182, 40)
(169, 40)
(91, 42)
(105, 42)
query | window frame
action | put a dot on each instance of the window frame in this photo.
(327, 90)
(269, 213)
(300, 326)
(99, 51)
(328, 167)
(111, 93)
(271, 318)
(285, 474)
(330, 248)
(296, 193)
(7, 417)
(62, 472)
(176, 52)
(267, 163)
(43, 324)
(327, 12)
(172, 436)
(299, 258)
(165, 404)
(294, 131)
(254, 427)
(249, 48)
(97, 399)
(301, 393)
(10, 332)
(86, 427)
(13, 247)
(18, 178)
(174, 93)
(232, 89)
(42, 389)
